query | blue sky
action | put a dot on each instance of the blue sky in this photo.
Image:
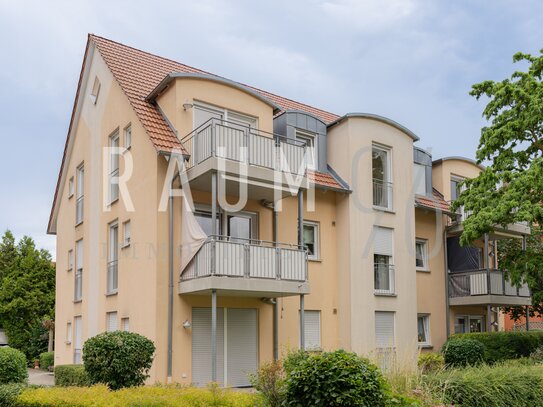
(411, 60)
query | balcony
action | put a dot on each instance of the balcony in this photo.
(485, 286)
(221, 145)
(246, 267)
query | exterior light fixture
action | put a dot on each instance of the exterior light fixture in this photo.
(187, 105)
(187, 324)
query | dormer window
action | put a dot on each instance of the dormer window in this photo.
(310, 141)
(95, 90)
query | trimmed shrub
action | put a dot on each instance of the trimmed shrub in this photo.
(505, 345)
(12, 366)
(9, 393)
(430, 362)
(71, 375)
(270, 382)
(537, 355)
(336, 378)
(500, 385)
(156, 396)
(118, 359)
(463, 352)
(47, 359)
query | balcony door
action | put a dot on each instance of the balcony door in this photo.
(381, 173)
(239, 227)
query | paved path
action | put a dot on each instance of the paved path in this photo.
(40, 377)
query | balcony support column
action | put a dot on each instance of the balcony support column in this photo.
(301, 244)
(214, 203)
(488, 318)
(302, 322)
(213, 335)
(276, 303)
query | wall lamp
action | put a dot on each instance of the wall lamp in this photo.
(187, 324)
(187, 105)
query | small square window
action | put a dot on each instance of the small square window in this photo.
(111, 321)
(127, 231)
(310, 141)
(125, 324)
(421, 254)
(128, 136)
(311, 240)
(423, 328)
(68, 333)
(71, 187)
(95, 90)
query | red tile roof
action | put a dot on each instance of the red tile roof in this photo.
(435, 203)
(325, 179)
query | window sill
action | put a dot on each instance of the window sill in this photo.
(316, 260)
(77, 301)
(383, 209)
(423, 270)
(112, 293)
(425, 346)
(378, 294)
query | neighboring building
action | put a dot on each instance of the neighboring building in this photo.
(355, 257)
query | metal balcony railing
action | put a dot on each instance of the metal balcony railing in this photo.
(382, 194)
(484, 282)
(385, 279)
(223, 139)
(247, 258)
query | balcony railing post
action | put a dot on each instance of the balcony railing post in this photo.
(278, 264)
(213, 137)
(488, 281)
(213, 256)
(246, 260)
(248, 146)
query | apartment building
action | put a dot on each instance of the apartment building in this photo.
(296, 227)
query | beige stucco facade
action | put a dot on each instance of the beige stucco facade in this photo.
(341, 280)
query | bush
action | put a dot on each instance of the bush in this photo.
(270, 382)
(47, 359)
(118, 359)
(501, 346)
(12, 366)
(156, 396)
(71, 375)
(336, 378)
(463, 352)
(537, 355)
(430, 362)
(9, 393)
(500, 385)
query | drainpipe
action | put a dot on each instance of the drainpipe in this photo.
(170, 283)
(301, 244)
(447, 307)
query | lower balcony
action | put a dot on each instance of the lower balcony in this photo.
(243, 267)
(485, 286)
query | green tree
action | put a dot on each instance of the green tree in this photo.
(510, 188)
(27, 294)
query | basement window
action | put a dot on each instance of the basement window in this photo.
(95, 90)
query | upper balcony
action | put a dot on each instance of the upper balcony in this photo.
(219, 145)
(246, 267)
(485, 286)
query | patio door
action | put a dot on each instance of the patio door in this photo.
(237, 346)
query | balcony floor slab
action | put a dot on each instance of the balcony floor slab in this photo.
(490, 299)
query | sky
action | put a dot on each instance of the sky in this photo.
(413, 61)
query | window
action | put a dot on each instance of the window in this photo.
(78, 279)
(310, 141)
(70, 260)
(71, 187)
(68, 333)
(242, 226)
(311, 240)
(423, 329)
(204, 220)
(127, 230)
(114, 168)
(468, 323)
(111, 321)
(78, 336)
(381, 173)
(456, 189)
(79, 194)
(125, 324)
(112, 258)
(421, 254)
(419, 179)
(128, 136)
(312, 329)
(95, 90)
(384, 330)
(383, 264)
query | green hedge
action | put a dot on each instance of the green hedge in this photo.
(505, 345)
(71, 375)
(463, 352)
(156, 396)
(12, 366)
(47, 359)
(9, 393)
(501, 385)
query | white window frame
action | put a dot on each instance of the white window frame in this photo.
(70, 260)
(225, 113)
(317, 346)
(71, 189)
(468, 318)
(127, 225)
(426, 327)
(128, 136)
(68, 340)
(387, 183)
(112, 272)
(312, 150)
(95, 91)
(114, 165)
(424, 243)
(125, 324)
(418, 182)
(109, 316)
(78, 275)
(80, 195)
(316, 226)
(391, 269)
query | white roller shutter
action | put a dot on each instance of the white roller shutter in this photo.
(111, 321)
(242, 346)
(312, 328)
(201, 346)
(78, 340)
(384, 329)
(382, 243)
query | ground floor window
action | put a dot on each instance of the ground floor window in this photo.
(469, 323)
(423, 328)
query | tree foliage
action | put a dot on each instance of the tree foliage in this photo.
(510, 188)
(27, 294)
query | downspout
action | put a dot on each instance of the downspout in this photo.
(447, 307)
